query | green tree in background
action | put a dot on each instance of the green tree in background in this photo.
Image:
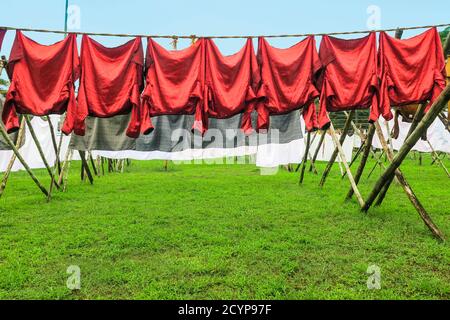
(444, 34)
(4, 84)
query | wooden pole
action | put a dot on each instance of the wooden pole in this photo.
(66, 172)
(55, 145)
(316, 153)
(19, 141)
(21, 159)
(94, 168)
(336, 151)
(85, 166)
(305, 157)
(64, 166)
(41, 152)
(427, 120)
(417, 117)
(300, 164)
(344, 162)
(408, 190)
(367, 147)
(356, 156)
(438, 159)
(379, 162)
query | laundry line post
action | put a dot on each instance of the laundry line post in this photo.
(408, 190)
(41, 152)
(409, 143)
(367, 146)
(438, 159)
(319, 146)
(21, 159)
(19, 141)
(417, 118)
(345, 164)
(336, 150)
(305, 157)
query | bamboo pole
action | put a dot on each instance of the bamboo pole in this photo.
(41, 152)
(438, 159)
(336, 151)
(300, 164)
(21, 159)
(362, 165)
(305, 157)
(316, 153)
(344, 162)
(409, 143)
(408, 190)
(379, 163)
(85, 166)
(355, 157)
(55, 145)
(417, 117)
(94, 168)
(65, 165)
(19, 141)
(66, 172)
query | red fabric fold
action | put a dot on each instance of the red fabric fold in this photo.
(2, 36)
(111, 83)
(287, 81)
(231, 82)
(412, 71)
(42, 79)
(349, 78)
(175, 82)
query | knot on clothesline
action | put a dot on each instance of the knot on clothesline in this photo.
(193, 38)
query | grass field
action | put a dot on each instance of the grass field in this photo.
(222, 232)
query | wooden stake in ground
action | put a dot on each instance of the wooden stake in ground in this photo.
(21, 159)
(344, 162)
(438, 159)
(336, 151)
(362, 165)
(20, 138)
(67, 158)
(305, 157)
(417, 117)
(379, 163)
(85, 166)
(409, 143)
(41, 152)
(408, 190)
(55, 145)
(316, 153)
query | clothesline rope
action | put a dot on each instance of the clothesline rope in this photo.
(224, 37)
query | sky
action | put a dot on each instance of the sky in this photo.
(227, 17)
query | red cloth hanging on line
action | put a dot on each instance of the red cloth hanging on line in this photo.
(110, 84)
(175, 82)
(412, 71)
(287, 81)
(2, 36)
(349, 77)
(42, 79)
(231, 83)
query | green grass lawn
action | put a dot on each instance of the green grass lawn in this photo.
(221, 232)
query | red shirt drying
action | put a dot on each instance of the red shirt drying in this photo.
(412, 70)
(287, 77)
(175, 81)
(349, 79)
(231, 82)
(2, 36)
(110, 84)
(42, 79)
